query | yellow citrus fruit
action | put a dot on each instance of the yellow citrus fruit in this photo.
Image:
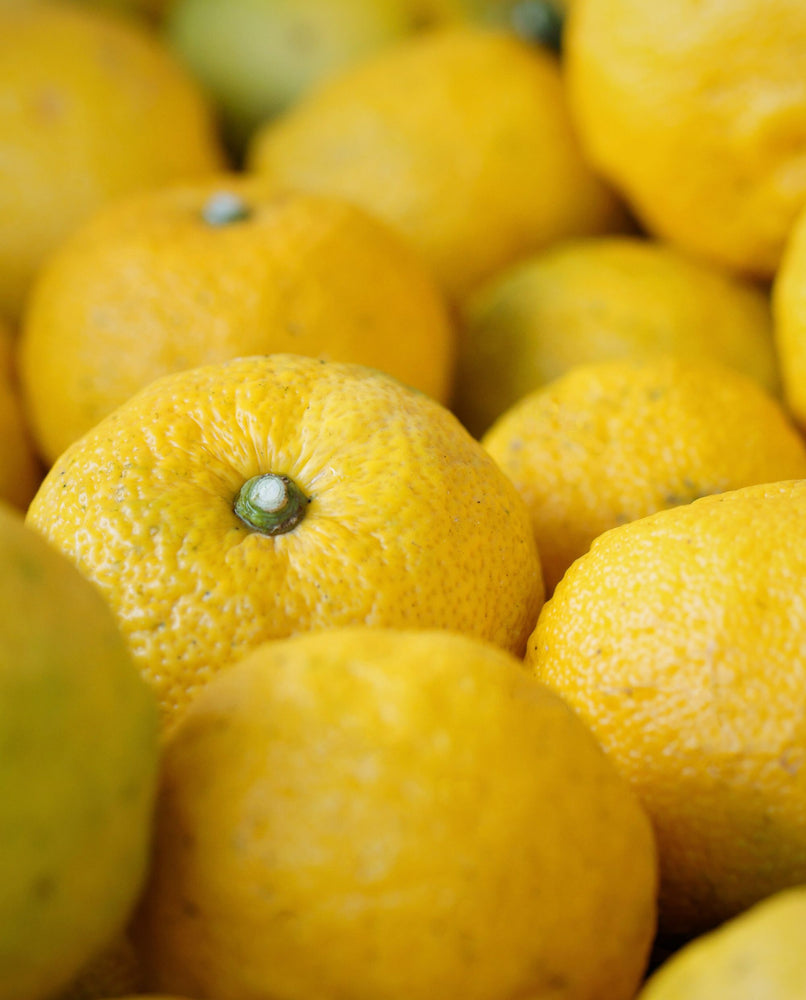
(381, 813)
(233, 503)
(611, 442)
(758, 954)
(93, 106)
(203, 272)
(20, 469)
(78, 728)
(696, 113)
(789, 313)
(258, 57)
(460, 137)
(598, 299)
(678, 638)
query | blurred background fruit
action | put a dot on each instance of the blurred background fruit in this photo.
(696, 113)
(255, 58)
(78, 727)
(358, 812)
(677, 638)
(459, 137)
(610, 442)
(206, 271)
(789, 312)
(758, 954)
(93, 106)
(598, 299)
(394, 515)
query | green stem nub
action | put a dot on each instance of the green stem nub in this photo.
(225, 207)
(271, 504)
(538, 21)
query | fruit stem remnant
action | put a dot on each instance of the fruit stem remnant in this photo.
(271, 504)
(538, 21)
(225, 207)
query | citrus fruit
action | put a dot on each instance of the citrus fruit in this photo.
(598, 299)
(78, 727)
(758, 954)
(382, 813)
(677, 638)
(258, 57)
(696, 113)
(202, 272)
(93, 106)
(789, 312)
(611, 442)
(233, 503)
(20, 470)
(459, 137)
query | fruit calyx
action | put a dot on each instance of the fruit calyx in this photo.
(538, 21)
(225, 207)
(271, 504)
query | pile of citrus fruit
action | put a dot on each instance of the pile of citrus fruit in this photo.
(402, 500)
